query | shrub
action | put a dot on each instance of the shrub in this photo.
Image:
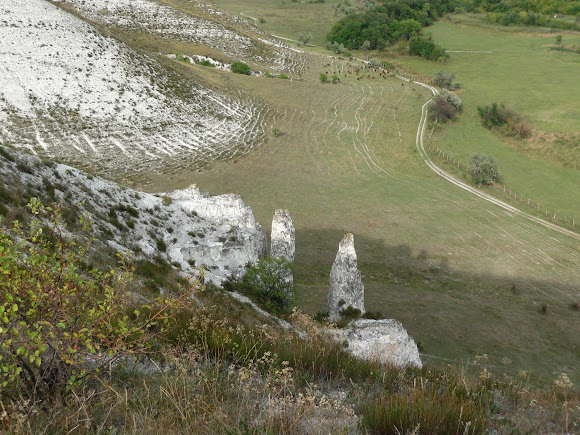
(303, 39)
(445, 106)
(323, 78)
(161, 245)
(268, 283)
(60, 327)
(483, 169)
(283, 76)
(425, 47)
(334, 79)
(505, 120)
(206, 62)
(446, 81)
(241, 68)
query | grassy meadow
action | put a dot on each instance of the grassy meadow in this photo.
(464, 277)
(540, 83)
(289, 18)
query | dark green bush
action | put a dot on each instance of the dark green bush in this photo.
(425, 47)
(507, 121)
(241, 68)
(267, 283)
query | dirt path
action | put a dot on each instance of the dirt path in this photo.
(464, 186)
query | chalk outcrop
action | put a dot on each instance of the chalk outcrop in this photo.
(346, 288)
(283, 241)
(380, 340)
(240, 238)
(186, 228)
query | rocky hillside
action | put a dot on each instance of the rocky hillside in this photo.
(72, 93)
(185, 228)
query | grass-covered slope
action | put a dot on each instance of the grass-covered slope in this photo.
(520, 70)
(87, 348)
(432, 256)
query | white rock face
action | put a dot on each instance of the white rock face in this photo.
(241, 238)
(282, 240)
(186, 228)
(380, 340)
(346, 288)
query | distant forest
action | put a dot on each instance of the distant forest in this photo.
(386, 21)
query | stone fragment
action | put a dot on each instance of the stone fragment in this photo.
(383, 340)
(346, 288)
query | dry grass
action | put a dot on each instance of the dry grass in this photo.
(228, 378)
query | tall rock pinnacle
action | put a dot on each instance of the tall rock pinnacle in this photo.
(283, 242)
(346, 288)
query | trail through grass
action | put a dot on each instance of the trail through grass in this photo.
(536, 82)
(432, 256)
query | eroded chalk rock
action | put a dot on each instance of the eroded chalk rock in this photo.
(234, 239)
(384, 340)
(283, 242)
(346, 288)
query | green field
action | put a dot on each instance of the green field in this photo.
(288, 19)
(432, 256)
(540, 83)
(463, 276)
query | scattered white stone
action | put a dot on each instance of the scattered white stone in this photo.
(73, 94)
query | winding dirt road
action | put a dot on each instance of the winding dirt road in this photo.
(464, 186)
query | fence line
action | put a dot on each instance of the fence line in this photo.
(518, 196)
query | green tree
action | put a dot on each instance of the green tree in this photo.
(483, 169)
(268, 282)
(559, 39)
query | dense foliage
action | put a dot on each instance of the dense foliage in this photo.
(425, 47)
(445, 106)
(446, 81)
(543, 13)
(59, 325)
(241, 68)
(269, 283)
(386, 23)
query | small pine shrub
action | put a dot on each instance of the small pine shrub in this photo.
(241, 68)
(161, 245)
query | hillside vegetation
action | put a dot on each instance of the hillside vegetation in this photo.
(490, 297)
(86, 349)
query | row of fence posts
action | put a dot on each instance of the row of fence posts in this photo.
(508, 191)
